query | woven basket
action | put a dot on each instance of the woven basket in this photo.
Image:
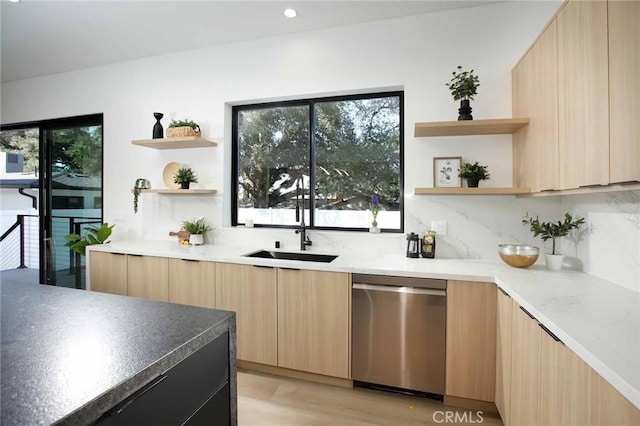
(181, 132)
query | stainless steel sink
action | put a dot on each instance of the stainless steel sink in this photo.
(306, 257)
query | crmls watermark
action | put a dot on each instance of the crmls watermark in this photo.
(466, 417)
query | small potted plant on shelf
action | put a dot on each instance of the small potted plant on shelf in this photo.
(463, 86)
(551, 231)
(196, 228)
(184, 176)
(183, 128)
(473, 173)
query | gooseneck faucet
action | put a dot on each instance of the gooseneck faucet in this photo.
(302, 230)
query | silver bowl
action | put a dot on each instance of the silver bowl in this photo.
(518, 255)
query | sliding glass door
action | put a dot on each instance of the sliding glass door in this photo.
(69, 191)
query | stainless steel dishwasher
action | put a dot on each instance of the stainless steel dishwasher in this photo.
(398, 333)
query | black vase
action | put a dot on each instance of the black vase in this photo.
(158, 131)
(473, 182)
(184, 185)
(464, 110)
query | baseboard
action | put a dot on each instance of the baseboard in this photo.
(471, 404)
(295, 374)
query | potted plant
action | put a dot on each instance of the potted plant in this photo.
(196, 227)
(140, 184)
(473, 173)
(184, 176)
(463, 86)
(183, 128)
(551, 231)
(95, 235)
(375, 209)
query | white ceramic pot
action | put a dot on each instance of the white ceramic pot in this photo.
(196, 239)
(554, 261)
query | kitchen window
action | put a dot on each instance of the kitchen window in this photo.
(328, 156)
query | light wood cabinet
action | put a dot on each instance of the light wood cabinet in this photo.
(535, 95)
(624, 78)
(525, 368)
(314, 310)
(503, 356)
(192, 282)
(251, 291)
(583, 79)
(565, 385)
(148, 277)
(108, 272)
(471, 340)
(609, 407)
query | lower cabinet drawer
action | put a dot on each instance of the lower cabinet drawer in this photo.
(214, 412)
(174, 397)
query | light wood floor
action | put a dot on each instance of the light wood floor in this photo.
(265, 400)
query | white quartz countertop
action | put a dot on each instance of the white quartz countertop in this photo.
(597, 319)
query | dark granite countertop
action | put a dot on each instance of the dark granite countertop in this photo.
(69, 355)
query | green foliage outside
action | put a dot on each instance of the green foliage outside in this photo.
(76, 150)
(95, 235)
(357, 153)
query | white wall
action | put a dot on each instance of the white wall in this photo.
(416, 53)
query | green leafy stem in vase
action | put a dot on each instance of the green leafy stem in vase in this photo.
(552, 230)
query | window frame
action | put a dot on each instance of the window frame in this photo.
(310, 103)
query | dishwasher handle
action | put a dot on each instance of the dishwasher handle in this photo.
(395, 289)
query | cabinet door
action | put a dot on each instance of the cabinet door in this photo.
(471, 340)
(250, 291)
(525, 368)
(503, 356)
(624, 78)
(565, 385)
(583, 79)
(314, 321)
(108, 272)
(535, 95)
(148, 277)
(610, 407)
(192, 282)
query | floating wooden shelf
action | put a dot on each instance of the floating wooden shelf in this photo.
(500, 126)
(175, 143)
(471, 191)
(179, 191)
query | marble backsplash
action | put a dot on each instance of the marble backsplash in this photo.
(607, 247)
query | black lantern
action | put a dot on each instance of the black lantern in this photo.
(413, 245)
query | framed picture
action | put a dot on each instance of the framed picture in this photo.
(445, 172)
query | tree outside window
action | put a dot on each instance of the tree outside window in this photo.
(355, 152)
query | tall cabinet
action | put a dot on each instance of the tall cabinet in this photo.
(575, 84)
(624, 78)
(583, 93)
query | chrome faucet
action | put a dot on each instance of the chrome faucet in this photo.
(302, 230)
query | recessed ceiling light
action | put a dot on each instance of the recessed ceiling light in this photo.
(14, 1)
(290, 13)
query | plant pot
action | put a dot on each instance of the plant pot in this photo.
(464, 110)
(196, 239)
(473, 182)
(554, 261)
(185, 185)
(374, 228)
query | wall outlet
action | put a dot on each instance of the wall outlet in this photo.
(439, 227)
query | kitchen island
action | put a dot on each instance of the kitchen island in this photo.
(73, 357)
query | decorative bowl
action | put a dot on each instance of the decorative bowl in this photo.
(518, 255)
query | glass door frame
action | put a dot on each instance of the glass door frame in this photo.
(46, 128)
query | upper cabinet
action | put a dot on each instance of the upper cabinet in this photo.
(624, 81)
(535, 95)
(574, 83)
(582, 92)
